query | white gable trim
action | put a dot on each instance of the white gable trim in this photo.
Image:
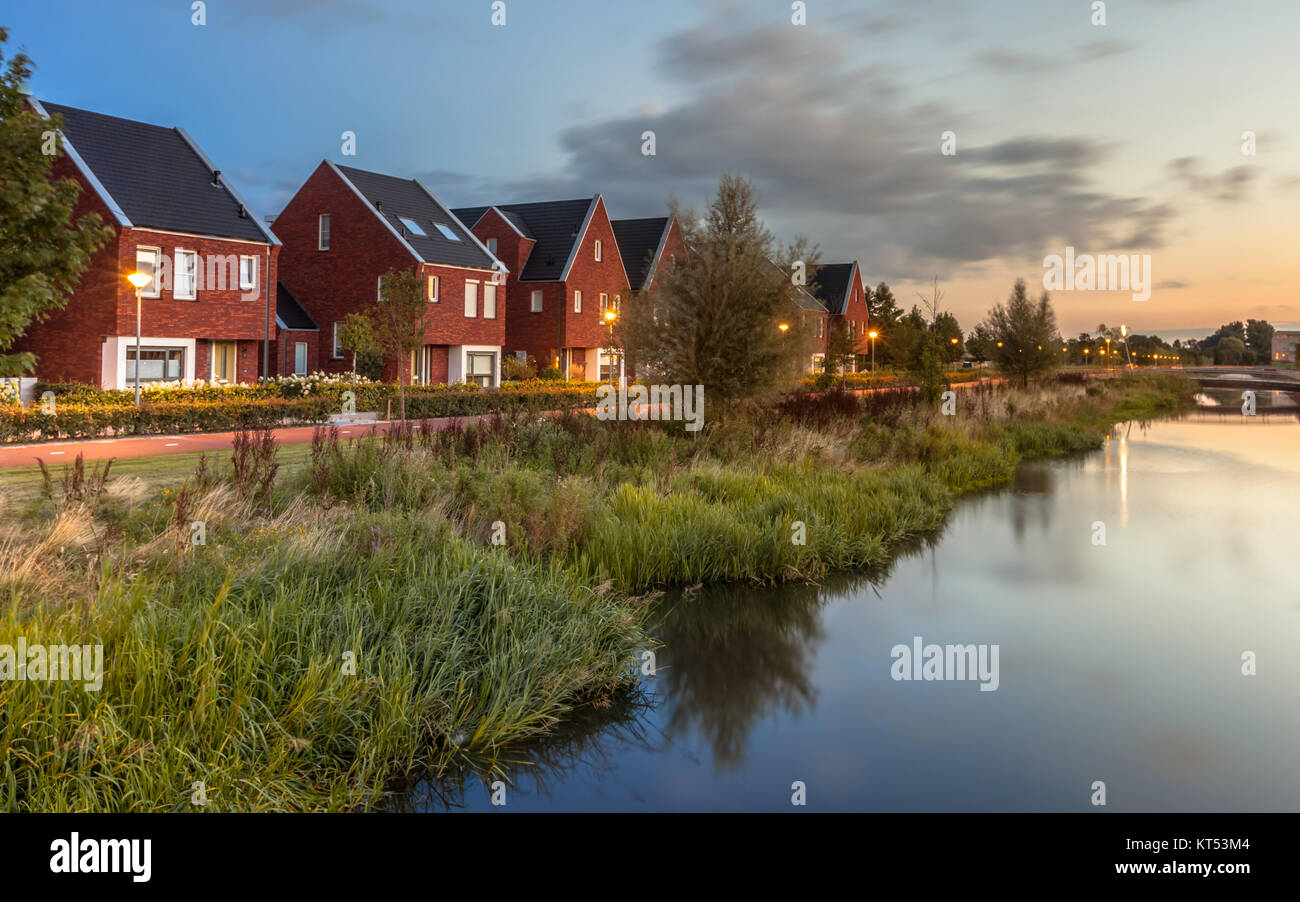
(371, 207)
(89, 176)
(582, 233)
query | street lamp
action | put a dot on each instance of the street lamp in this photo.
(139, 280)
(610, 315)
(873, 335)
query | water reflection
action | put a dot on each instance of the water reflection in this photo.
(1119, 661)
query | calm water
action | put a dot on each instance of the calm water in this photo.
(1119, 662)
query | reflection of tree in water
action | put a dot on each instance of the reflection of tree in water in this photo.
(1032, 490)
(731, 654)
(735, 653)
(587, 743)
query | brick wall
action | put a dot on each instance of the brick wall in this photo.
(68, 345)
(331, 284)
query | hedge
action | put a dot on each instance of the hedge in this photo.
(83, 411)
(72, 421)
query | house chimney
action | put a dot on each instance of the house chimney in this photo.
(216, 177)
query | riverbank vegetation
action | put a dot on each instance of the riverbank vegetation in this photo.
(303, 638)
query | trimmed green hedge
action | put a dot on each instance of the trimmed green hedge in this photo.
(71, 421)
(84, 411)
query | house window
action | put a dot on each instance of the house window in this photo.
(223, 361)
(597, 250)
(604, 304)
(338, 343)
(146, 261)
(489, 301)
(379, 288)
(300, 358)
(412, 226)
(609, 364)
(187, 276)
(323, 232)
(447, 232)
(247, 272)
(433, 289)
(480, 368)
(156, 364)
(537, 301)
(577, 302)
(492, 246)
(471, 299)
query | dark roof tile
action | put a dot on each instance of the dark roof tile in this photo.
(638, 242)
(153, 174)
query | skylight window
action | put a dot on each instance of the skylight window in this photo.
(412, 226)
(447, 232)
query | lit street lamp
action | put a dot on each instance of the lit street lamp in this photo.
(610, 315)
(139, 280)
(873, 335)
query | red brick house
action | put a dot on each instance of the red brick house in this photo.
(298, 336)
(207, 312)
(569, 271)
(647, 247)
(842, 296)
(346, 227)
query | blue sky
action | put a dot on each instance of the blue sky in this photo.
(1121, 137)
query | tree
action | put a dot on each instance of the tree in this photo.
(1229, 351)
(1027, 331)
(925, 360)
(946, 329)
(841, 347)
(882, 309)
(42, 254)
(716, 313)
(1259, 338)
(394, 326)
(981, 344)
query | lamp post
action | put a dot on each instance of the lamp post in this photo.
(139, 280)
(610, 315)
(873, 335)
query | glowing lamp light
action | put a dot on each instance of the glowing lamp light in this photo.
(784, 327)
(139, 279)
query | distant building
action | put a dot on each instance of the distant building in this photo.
(1284, 344)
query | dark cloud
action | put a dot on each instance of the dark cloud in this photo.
(1230, 186)
(1172, 285)
(842, 151)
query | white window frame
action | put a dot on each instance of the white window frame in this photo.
(577, 301)
(193, 294)
(492, 246)
(153, 289)
(489, 289)
(252, 283)
(379, 289)
(323, 232)
(337, 350)
(537, 300)
(598, 250)
(303, 346)
(471, 299)
(432, 283)
(604, 303)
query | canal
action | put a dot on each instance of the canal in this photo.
(1125, 590)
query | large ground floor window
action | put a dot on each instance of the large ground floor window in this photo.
(480, 367)
(156, 364)
(611, 364)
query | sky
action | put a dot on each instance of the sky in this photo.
(1123, 137)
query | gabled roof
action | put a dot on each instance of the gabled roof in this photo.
(834, 280)
(392, 199)
(289, 314)
(640, 242)
(471, 216)
(556, 226)
(154, 177)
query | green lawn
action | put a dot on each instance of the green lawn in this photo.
(21, 485)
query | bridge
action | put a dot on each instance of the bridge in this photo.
(1241, 378)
